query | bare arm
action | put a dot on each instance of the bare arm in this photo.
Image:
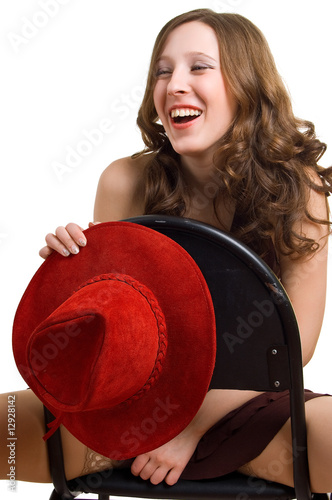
(305, 279)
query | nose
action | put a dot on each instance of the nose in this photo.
(178, 83)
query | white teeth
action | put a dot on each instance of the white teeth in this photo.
(185, 112)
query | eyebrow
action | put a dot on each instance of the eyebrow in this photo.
(192, 53)
(201, 54)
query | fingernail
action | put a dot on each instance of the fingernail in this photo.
(74, 249)
(82, 242)
(65, 252)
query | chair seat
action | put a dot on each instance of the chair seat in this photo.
(120, 482)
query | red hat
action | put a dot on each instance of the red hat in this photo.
(118, 342)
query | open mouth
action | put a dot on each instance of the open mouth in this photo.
(184, 115)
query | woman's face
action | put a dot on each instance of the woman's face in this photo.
(190, 95)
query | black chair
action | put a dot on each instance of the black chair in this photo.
(268, 358)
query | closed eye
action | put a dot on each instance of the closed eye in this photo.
(162, 71)
(200, 67)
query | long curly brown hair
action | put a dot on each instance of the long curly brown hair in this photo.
(267, 159)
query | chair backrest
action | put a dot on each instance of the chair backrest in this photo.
(254, 318)
(258, 342)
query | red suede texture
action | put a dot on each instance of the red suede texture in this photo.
(106, 421)
(51, 350)
(110, 326)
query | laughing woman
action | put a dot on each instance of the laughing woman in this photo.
(222, 147)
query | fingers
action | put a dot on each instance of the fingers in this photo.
(70, 238)
(148, 468)
(66, 241)
(139, 463)
(93, 223)
(160, 474)
(45, 252)
(173, 476)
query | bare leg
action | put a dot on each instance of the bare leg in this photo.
(31, 462)
(31, 459)
(275, 462)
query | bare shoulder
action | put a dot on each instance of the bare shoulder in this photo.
(120, 192)
(317, 203)
(125, 170)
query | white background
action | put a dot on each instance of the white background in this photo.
(65, 70)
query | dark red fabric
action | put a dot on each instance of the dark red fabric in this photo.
(241, 435)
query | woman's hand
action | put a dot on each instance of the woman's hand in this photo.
(168, 461)
(66, 240)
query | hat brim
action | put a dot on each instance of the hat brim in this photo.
(170, 272)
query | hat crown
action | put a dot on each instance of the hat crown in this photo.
(114, 326)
